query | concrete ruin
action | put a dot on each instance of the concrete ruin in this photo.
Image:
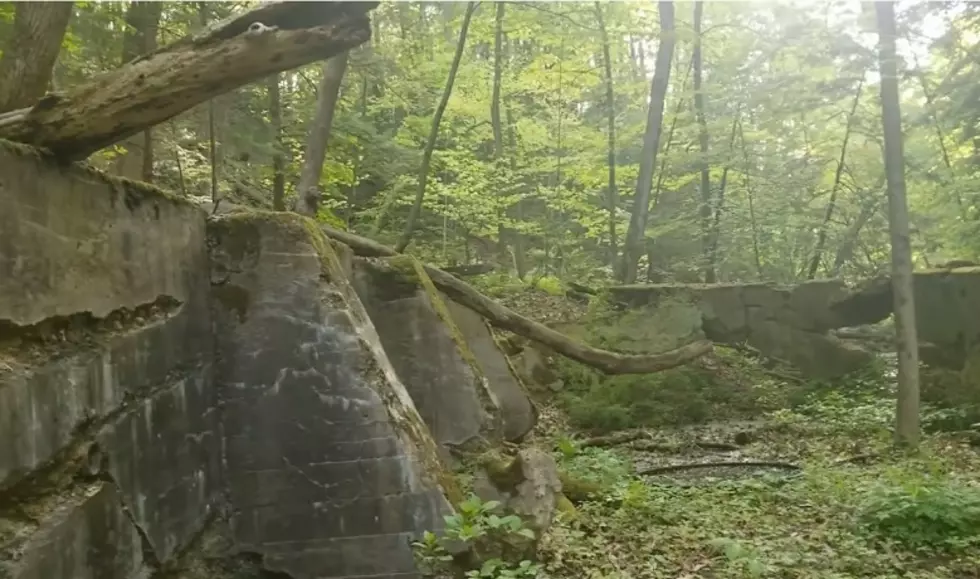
(197, 398)
(796, 323)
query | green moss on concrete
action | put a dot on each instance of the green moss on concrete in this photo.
(402, 417)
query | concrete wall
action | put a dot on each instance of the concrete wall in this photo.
(110, 460)
(137, 442)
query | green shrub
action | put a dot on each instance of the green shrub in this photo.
(925, 514)
(488, 545)
(686, 395)
(550, 285)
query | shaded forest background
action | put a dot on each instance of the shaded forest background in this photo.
(771, 170)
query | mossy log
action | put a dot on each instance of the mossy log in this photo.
(270, 38)
(507, 319)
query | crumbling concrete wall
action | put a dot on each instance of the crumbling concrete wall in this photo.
(137, 445)
(786, 323)
(329, 467)
(109, 464)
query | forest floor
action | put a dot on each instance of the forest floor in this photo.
(839, 502)
(855, 508)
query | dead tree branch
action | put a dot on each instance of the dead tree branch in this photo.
(155, 87)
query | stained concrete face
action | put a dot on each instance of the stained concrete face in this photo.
(431, 359)
(330, 469)
(106, 408)
(516, 410)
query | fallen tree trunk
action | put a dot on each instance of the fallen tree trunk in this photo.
(155, 87)
(507, 319)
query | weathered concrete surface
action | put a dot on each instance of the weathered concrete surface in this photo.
(429, 354)
(787, 323)
(106, 407)
(330, 470)
(164, 458)
(84, 536)
(73, 242)
(946, 304)
(516, 409)
(43, 407)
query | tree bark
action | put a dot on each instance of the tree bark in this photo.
(278, 156)
(270, 38)
(715, 232)
(308, 190)
(749, 197)
(846, 249)
(706, 202)
(29, 57)
(634, 245)
(498, 54)
(142, 22)
(612, 198)
(835, 188)
(907, 413)
(430, 145)
(507, 319)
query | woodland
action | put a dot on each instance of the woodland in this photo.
(541, 150)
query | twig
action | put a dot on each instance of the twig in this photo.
(695, 465)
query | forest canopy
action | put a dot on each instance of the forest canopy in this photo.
(768, 163)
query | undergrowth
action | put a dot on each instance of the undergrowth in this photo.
(893, 515)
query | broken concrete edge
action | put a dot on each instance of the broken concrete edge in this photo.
(499, 341)
(136, 191)
(488, 400)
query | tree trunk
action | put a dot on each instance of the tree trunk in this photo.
(29, 57)
(612, 198)
(496, 123)
(270, 38)
(520, 242)
(430, 144)
(278, 156)
(651, 144)
(846, 249)
(308, 190)
(507, 319)
(706, 201)
(142, 22)
(907, 414)
(715, 232)
(748, 194)
(831, 204)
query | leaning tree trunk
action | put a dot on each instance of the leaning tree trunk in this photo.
(507, 319)
(612, 199)
(715, 232)
(308, 190)
(29, 57)
(142, 21)
(270, 38)
(279, 151)
(832, 203)
(430, 144)
(634, 245)
(907, 414)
